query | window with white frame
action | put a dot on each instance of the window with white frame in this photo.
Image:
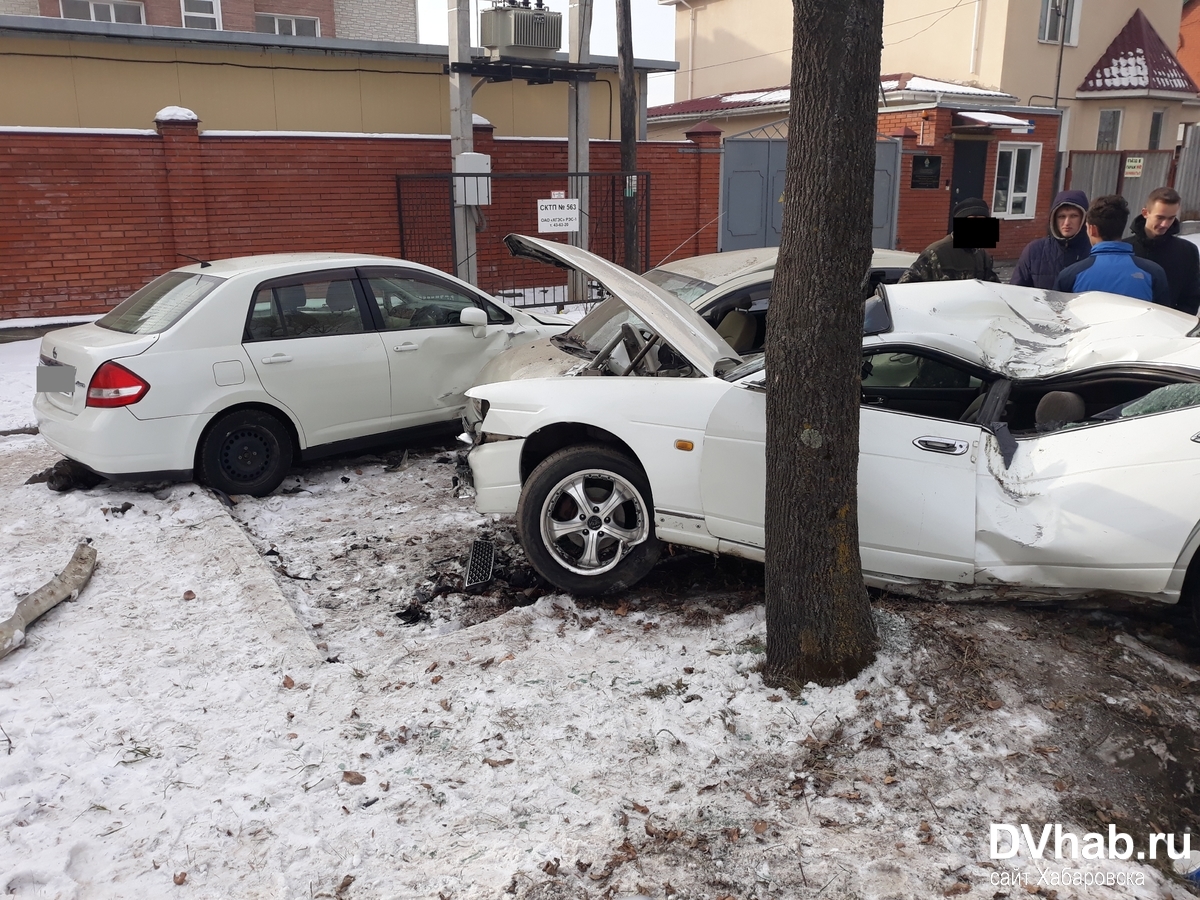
(1108, 135)
(202, 14)
(1017, 167)
(106, 11)
(300, 25)
(1058, 15)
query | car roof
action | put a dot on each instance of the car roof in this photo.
(240, 265)
(717, 268)
(1024, 332)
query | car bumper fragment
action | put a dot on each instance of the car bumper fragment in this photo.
(496, 471)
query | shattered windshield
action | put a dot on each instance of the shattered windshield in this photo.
(685, 288)
(601, 325)
(1163, 399)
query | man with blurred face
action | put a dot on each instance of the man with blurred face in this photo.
(1155, 238)
(1066, 244)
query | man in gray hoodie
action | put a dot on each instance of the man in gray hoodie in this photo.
(1066, 244)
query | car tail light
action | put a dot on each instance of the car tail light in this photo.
(114, 385)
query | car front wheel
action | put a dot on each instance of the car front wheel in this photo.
(586, 521)
(245, 452)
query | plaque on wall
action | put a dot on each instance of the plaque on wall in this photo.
(926, 173)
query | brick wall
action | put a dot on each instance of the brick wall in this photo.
(236, 15)
(90, 217)
(379, 20)
(924, 214)
(19, 8)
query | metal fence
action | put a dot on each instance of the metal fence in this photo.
(426, 215)
(1131, 173)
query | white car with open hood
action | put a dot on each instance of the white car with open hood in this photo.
(1014, 443)
(232, 369)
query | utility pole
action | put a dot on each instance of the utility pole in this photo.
(461, 135)
(629, 107)
(579, 132)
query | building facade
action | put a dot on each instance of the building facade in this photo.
(379, 20)
(1137, 101)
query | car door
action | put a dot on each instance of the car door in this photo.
(432, 357)
(316, 355)
(916, 471)
(733, 470)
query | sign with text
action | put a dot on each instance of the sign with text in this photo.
(926, 173)
(558, 215)
(1133, 166)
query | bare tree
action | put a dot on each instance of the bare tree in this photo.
(819, 625)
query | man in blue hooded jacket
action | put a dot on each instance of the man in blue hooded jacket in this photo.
(1066, 244)
(1112, 266)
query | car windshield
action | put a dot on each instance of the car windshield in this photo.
(600, 326)
(1163, 399)
(160, 304)
(685, 288)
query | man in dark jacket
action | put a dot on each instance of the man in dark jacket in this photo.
(1154, 238)
(1066, 244)
(1112, 266)
(942, 261)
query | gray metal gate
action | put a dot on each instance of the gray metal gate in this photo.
(1187, 174)
(1101, 172)
(752, 172)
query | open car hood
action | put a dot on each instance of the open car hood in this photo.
(668, 316)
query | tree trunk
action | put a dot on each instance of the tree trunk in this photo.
(626, 77)
(819, 624)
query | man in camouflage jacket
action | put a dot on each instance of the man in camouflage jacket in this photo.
(942, 261)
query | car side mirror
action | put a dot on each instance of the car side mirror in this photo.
(476, 318)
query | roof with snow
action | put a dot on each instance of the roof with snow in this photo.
(776, 98)
(1138, 62)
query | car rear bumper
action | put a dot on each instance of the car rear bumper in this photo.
(496, 471)
(116, 444)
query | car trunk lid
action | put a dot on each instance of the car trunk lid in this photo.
(676, 322)
(84, 348)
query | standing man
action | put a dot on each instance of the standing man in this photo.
(1154, 238)
(1112, 266)
(1066, 244)
(943, 261)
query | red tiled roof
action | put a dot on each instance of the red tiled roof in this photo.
(1138, 60)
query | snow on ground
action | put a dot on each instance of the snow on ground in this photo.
(18, 370)
(284, 733)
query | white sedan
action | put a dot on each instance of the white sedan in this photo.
(233, 369)
(1014, 442)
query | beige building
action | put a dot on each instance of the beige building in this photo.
(1119, 85)
(67, 73)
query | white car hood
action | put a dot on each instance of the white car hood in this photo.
(676, 322)
(1023, 332)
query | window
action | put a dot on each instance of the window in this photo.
(202, 14)
(1054, 14)
(160, 304)
(287, 25)
(1016, 180)
(319, 305)
(110, 11)
(405, 301)
(1156, 127)
(1108, 137)
(901, 381)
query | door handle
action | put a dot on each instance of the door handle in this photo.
(948, 446)
(873, 401)
(406, 347)
(277, 358)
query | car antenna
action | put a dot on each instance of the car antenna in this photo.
(203, 263)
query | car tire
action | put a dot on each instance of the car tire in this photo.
(247, 451)
(588, 552)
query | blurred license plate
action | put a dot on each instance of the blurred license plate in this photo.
(60, 379)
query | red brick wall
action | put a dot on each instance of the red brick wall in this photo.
(90, 217)
(924, 214)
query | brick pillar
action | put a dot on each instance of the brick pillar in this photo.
(707, 138)
(180, 132)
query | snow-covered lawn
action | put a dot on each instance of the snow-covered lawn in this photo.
(233, 708)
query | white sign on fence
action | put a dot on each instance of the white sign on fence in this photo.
(558, 215)
(1133, 166)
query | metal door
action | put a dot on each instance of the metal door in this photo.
(970, 164)
(887, 193)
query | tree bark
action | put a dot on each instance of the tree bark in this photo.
(67, 583)
(627, 79)
(819, 623)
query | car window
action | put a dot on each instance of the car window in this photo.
(408, 301)
(306, 308)
(602, 324)
(685, 288)
(1163, 399)
(160, 304)
(893, 370)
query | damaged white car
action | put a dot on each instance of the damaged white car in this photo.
(1014, 443)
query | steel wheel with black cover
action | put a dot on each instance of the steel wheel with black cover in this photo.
(246, 451)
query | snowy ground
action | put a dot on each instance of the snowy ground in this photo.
(294, 698)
